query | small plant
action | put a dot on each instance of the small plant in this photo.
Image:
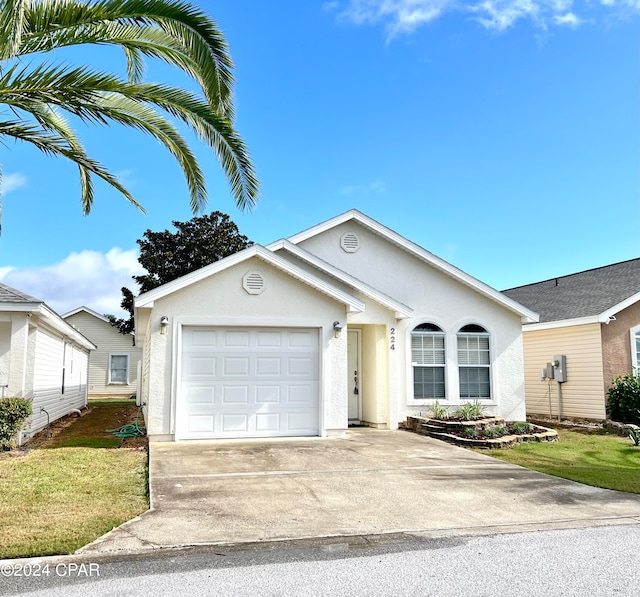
(438, 411)
(521, 427)
(470, 432)
(634, 434)
(470, 410)
(497, 431)
(13, 414)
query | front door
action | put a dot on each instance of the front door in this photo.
(353, 377)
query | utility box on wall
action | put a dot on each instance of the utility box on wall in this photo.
(560, 368)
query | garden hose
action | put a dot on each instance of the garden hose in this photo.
(130, 430)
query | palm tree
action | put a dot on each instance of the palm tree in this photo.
(38, 94)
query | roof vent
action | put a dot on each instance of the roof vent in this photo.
(253, 282)
(349, 242)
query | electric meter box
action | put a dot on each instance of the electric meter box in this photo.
(560, 365)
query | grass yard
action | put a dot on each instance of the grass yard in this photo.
(64, 491)
(591, 457)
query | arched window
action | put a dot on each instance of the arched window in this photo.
(474, 362)
(427, 358)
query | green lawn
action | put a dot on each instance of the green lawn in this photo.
(57, 498)
(591, 457)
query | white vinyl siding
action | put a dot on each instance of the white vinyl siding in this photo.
(109, 342)
(474, 362)
(54, 358)
(428, 361)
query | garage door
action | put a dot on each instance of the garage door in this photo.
(241, 382)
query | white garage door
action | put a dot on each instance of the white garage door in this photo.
(241, 382)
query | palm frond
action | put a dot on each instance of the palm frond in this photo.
(173, 31)
(55, 144)
(57, 23)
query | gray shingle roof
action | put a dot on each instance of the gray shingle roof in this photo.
(583, 294)
(11, 295)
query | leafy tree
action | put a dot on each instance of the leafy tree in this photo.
(36, 94)
(169, 255)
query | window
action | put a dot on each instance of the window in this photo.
(119, 368)
(427, 357)
(635, 349)
(474, 362)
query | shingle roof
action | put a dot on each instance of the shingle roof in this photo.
(11, 295)
(583, 294)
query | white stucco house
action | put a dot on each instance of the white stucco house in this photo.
(42, 358)
(113, 365)
(346, 322)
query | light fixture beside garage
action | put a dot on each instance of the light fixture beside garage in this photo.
(164, 324)
(337, 328)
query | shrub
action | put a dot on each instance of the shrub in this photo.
(470, 432)
(623, 402)
(439, 412)
(497, 431)
(470, 410)
(521, 427)
(13, 414)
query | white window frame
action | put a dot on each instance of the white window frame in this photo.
(440, 333)
(635, 335)
(118, 383)
(484, 334)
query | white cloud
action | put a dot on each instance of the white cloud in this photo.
(569, 20)
(87, 278)
(406, 16)
(11, 182)
(377, 187)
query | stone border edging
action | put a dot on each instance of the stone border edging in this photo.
(438, 429)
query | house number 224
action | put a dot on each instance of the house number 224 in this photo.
(392, 338)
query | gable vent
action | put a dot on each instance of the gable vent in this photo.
(349, 242)
(253, 282)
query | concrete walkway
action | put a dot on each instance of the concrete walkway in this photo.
(371, 482)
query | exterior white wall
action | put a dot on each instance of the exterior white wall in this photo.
(435, 298)
(108, 341)
(5, 351)
(221, 300)
(51, 354)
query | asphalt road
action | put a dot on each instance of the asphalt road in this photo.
(590, 561)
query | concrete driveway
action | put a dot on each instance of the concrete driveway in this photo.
(370, 482)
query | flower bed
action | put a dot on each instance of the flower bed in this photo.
(487, 432)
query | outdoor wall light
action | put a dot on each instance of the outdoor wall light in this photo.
(337, 328)
(164, 324)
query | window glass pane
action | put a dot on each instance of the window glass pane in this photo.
(428, 382)
(474, 382)
(427, 349)
(473, 350)
(118, 369)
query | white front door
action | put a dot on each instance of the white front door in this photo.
(248, 382)
(353, 376)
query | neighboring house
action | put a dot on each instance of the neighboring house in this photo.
(592, 318)
(42, 358)
(347, 322)
(113, 366)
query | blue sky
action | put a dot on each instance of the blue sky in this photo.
(502, 135)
